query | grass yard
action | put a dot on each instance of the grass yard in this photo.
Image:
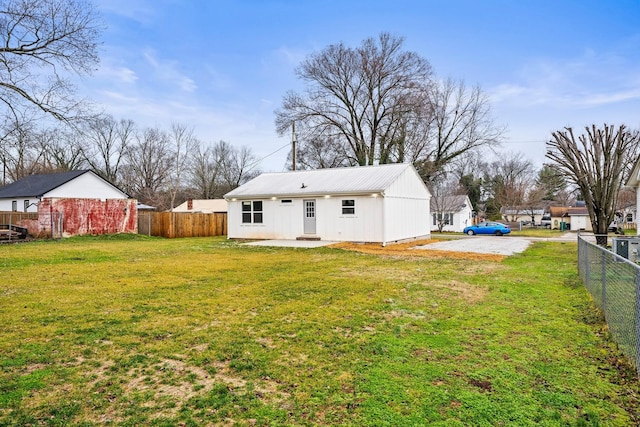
(127, 330)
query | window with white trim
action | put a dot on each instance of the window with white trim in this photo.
(348, 207)
(26, 205)
(14, 206)
(252, 212)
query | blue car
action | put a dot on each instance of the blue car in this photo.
(487, 227)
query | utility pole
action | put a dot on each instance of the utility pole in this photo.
(293, 145)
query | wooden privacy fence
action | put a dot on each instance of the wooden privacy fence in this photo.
(182, 224)
(7, 217)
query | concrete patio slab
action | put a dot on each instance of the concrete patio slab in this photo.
(292, 243)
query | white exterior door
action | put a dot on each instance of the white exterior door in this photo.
(309, 217)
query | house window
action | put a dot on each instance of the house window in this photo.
(14, 206)
(26, 205)
(445, 219)
(252, 212)
(348, 207)
(629, 217)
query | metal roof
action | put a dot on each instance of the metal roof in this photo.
(38, 185)
(447, 203)
(353, 180)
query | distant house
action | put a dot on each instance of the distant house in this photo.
(634, 182)
(579, 218)
(71, 203)
(381, 204)
(454, 213)
(559, 214)
(202, 206)
(523, 215)
(24, 194)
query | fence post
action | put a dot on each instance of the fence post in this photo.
(587, 262)
(604, 282)
(637, 313)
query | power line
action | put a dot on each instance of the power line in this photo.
(269, 155)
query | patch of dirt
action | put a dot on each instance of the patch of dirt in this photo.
(171, 383)
(467, 292)
(407, 250)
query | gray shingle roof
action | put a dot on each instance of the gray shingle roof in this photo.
(38, 185)
(354, 180)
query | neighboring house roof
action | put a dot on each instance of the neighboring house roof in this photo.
(39, 185)
(522, 211)
(578, 211)
(448, 203)
(143, 207)
(634, 177)
(557, 211)
(203, 205)
(353, 180)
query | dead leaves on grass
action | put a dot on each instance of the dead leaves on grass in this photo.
(408, 250)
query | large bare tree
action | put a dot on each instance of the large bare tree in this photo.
(596, 161)
(106, 143)
(460, 123)
(149, 161)
(184, 144)
(42, 42)
(361, 97)
(509, 180)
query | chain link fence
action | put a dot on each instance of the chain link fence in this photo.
(614, 283)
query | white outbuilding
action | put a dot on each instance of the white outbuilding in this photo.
(381, 204)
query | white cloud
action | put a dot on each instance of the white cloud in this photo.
(587, 81)
(117, 74)
(169, 72)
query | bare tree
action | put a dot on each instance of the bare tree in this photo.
(321, 153)
(40, 42)
(460, 123)
(204, 173)
(596, 162)
(62, 149)
(237, 165)
(184, 143)
(510, 179)
(149, 163)
(107, 142)
(20, 151)
(358, 97)
(446, 195)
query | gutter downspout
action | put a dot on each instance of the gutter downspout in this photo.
(384, 223)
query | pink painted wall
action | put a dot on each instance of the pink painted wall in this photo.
(87, 216)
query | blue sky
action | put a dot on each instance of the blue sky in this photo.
(222, 67)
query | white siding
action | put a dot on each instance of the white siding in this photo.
(285, 220)
(461, 219)
(86, 186)
(395, 208)
(580, 222)
(6, 204)
(405, 218)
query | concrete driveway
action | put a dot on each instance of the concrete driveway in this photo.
(498, 245)
(482, 244)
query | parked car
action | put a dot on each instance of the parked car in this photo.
(545, 221)
(487, 227)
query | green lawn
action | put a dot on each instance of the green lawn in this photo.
(143, 331)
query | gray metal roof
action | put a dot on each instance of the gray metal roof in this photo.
(38, 185)
(353, 180)
(448, 202)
